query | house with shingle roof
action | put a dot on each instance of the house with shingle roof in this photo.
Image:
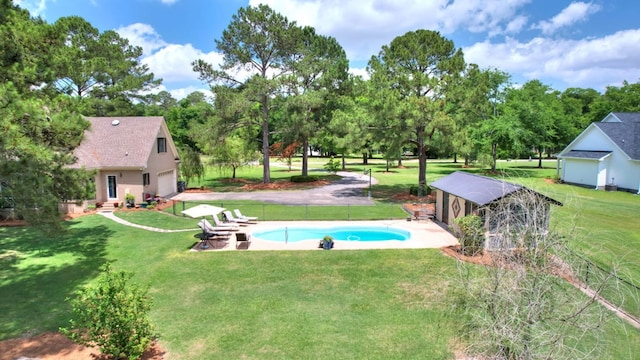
(461, 193)
(130, 155)
(606, 155)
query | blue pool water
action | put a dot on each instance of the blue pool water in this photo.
(344, 233)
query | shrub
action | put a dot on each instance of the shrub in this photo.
(304, 179)
(332, 166)
(420, 190)
(113, 316)
(470, 232)
(130, 199)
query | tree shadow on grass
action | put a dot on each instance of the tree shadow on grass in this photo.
(38, 272)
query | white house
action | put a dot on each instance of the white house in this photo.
(605, 155)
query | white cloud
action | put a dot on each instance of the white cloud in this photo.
(172, 63)
(142, 35)
(575, 12)
(182, 93)
(360, 72)
(516, 25)
(363, 27)
(35, 7)
(593, 62)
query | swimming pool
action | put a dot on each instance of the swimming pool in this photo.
(342, 233)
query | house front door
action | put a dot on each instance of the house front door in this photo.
(112, 187)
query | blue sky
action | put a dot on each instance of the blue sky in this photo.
(562, 43)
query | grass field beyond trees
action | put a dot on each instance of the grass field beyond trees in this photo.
(376, 304)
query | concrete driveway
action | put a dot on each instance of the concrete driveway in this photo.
(351, 189)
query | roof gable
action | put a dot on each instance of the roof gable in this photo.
(622, 117)
(121, 141)
(478, 189)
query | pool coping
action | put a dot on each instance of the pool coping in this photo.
(424, 234)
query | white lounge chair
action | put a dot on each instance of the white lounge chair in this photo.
(209, 231)
(229, 225)
(249, 218)
(230, 218)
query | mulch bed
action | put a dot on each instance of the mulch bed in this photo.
(55, 346)
(455, 251)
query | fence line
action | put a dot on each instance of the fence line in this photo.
(275, 212)
(623, 293)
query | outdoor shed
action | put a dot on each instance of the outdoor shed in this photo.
(461, 193)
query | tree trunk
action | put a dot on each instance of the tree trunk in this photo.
(344, 162)
(266, 173)
(455, 158)
(494, 151)
(422, 162)
(400, 161)
(365, 161)
(305, 157)
(539, 158)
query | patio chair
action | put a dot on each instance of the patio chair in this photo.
(249, 218)
(219, 227)
(229, 218)
(243, 241)
(209, 231)
(232, 225)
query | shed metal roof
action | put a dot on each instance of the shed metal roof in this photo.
(478, 189)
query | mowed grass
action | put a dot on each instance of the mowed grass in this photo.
(375, 304)
(600, 226)
(260, 305)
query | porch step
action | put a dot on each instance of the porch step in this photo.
(108, 206)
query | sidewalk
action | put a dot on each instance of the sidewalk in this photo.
(111, 216)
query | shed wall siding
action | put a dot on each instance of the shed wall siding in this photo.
(439, 200)
(440, 206)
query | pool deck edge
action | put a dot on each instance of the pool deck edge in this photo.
(424, 234)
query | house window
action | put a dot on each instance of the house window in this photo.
(162, 145)
(145, 179)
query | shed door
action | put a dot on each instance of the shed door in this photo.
(166, 183)
(445, 207)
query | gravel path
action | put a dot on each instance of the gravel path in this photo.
(348, 190)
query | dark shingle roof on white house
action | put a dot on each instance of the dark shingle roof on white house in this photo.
(585, 154)
(625, 134)
(119, 142)
(480, 190)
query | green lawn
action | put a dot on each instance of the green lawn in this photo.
(377, 304)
